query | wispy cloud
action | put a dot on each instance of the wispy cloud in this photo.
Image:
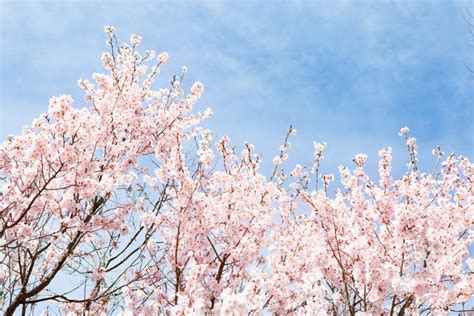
(350, 73)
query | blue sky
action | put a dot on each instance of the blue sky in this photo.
(349, 73)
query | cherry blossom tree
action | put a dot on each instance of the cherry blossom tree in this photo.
(399, 246)
(127, 207)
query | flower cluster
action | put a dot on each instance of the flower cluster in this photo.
(128, 199)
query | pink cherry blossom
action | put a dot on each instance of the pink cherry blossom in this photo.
(129, 206)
